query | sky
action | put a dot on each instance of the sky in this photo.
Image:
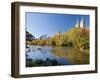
(46, 23)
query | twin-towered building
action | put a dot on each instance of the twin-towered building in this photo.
(80, 24)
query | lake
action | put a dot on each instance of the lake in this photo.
(51, 55)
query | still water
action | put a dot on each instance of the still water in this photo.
(63, 55)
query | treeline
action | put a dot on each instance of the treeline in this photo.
(76, 37)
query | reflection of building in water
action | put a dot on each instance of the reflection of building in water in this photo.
(80, 24)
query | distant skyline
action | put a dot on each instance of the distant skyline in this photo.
(46, 23)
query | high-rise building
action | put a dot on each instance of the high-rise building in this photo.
(80, 24)
(77, 24)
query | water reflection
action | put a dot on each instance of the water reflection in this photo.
(52, 56)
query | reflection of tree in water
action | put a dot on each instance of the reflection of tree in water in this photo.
(40, 49)
(70, 54)
(39, 62)
(75, 56)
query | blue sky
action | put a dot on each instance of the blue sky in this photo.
(45, 23)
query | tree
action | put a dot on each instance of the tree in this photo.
(79, 37)
(29, 36)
